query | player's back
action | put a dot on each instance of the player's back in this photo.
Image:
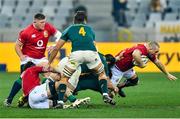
(82, 37)
(30, 78)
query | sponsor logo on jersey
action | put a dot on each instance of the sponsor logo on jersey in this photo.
(33, 36)
(45, 34)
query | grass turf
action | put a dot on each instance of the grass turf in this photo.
(154, 97)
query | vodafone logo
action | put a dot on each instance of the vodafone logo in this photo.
(40, 43)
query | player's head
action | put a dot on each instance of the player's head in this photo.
(153, 47)
(110, 59)
(28, 64)
(39, 21)
(80, 17)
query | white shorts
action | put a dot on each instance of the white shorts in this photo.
(35, 61)
(91, 58)
(38, 97)
(117, 75)
(75, 77)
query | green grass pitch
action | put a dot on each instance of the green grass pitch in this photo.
(154, 97)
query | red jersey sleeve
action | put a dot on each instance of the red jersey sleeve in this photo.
(52, 29)
(22, 36)
(37, 69)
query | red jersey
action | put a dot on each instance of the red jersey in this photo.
(35, 41)
(126, 62)
(30, 79)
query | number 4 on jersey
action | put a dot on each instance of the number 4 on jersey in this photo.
(82, 31)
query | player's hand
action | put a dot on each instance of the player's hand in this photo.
(171, 77)
(49, 48)
(116, 90)
(120, 56)
(23, 57)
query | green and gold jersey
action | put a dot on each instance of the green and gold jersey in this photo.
(81, 36)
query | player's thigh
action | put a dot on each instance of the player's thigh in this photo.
(129, 74)
(88, 82)
(93, 60)
(37, 95)
(74, 60)
(116, 75)
(41, 104)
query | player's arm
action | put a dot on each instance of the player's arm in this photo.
(111, 86)
(18, 50)
(137, 57)
(120, 56)
(163, 69)
(55, 50)
(95, 45)
(57, 35)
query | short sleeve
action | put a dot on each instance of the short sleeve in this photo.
(22, 37)
(65, 34)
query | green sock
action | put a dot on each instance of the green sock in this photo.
(44, 80)
(103, 85)
(72, 98)
(61, 91)
(15, 89)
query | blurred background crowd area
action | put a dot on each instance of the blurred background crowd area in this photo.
(112, 20)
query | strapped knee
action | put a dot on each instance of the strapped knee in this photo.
(67, 72)
(100, 69)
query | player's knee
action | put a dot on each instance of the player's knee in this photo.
(100, 69)
(132, 82)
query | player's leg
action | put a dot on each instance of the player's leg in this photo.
(38, 97)
(88, 81)
(75, 102)
(14, 90)
(96, 65)
(71, 66)
(131, 80)
(116, 76)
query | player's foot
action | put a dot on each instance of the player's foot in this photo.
(7, 103)
(109, 100)
(60, 105)
(79, 102)
(121, 93)
(21, 101)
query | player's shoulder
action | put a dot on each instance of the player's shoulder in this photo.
(47, 24)
(27, 29)
(140, 46)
